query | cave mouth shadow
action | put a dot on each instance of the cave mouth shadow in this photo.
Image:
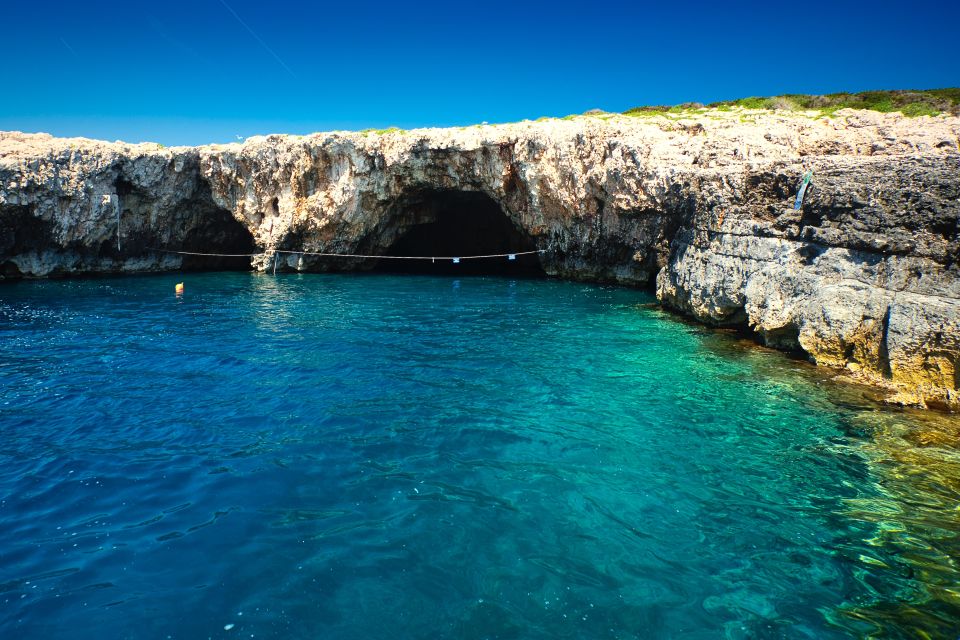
(457, 223)
(207, 236)
(217, 231)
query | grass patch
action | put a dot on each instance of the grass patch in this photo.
(754, 103)
(911, 103)
(381, 132)
(929, 102)
(647, 111)
(919, 109)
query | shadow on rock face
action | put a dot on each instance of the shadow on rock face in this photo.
(21, 231)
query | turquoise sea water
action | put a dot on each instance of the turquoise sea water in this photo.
(377, 456)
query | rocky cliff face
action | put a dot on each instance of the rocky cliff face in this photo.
(865, 276)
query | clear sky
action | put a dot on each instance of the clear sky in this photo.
(189, 72)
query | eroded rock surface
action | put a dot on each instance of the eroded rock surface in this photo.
(865, 276)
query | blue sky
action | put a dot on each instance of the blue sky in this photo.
(180, 72)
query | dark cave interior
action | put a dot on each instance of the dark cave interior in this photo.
(449, 223)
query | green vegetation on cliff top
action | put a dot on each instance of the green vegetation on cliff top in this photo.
(912, 103)
(381, 132)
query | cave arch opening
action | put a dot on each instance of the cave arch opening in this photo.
(195, 225)
(457, 223)
(217, 231)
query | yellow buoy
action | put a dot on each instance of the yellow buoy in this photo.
(179, 288)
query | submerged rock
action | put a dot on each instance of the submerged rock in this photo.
(865, 276)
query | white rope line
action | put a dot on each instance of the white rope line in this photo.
(347, 255)
(360, 255)
(218, 255)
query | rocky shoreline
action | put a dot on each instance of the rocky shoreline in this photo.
(865, 277)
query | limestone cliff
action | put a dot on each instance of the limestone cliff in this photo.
(865, 276)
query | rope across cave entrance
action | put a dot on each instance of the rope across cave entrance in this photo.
(454, 259)
(429, 231)
(445, 224)
(275, 253)
(442, 232)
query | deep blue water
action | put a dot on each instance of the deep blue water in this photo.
(367, 456)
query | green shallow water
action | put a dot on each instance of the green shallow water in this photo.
(412, 457)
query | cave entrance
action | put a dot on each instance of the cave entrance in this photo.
(457, 223)
(215, 230)
(195, 224)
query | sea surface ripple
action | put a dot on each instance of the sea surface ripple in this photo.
(371, 456)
